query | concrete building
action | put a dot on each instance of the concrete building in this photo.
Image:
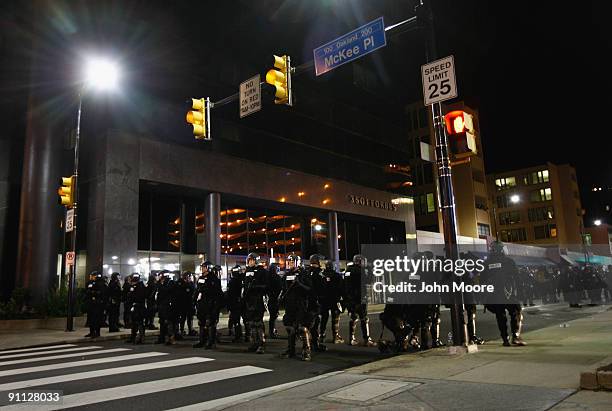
(538, 205)
(468, 178)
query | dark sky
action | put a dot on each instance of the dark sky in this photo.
(537, 71)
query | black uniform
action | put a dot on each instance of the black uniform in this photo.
(135, 301)
(126, 312)
(274, 289)
(114, 303)
(254, 290)
(570, 284)
(151, 304)
(96, 295)
(185, 305)
(502, 273)
(396, 317)
(208, 298)
(234, 301)
(297, 298)
(330, 289)
(166, 305)
(356, 303)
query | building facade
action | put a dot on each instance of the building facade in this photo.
(539, 205)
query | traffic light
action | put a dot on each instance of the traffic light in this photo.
(199, 117)
(281, 80)
(66, 192)
(461, 135)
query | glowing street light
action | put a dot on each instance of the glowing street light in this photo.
(515, 199)
(597, 222)
(101, 74)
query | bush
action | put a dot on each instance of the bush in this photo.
(54, 304)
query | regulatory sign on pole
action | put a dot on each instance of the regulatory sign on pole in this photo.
(69, 220)
(351, 46)
(250, 96)
(439, 83)
(69, 258)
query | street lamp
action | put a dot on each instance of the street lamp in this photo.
(100, 74)
(515, 199)
(597, 222)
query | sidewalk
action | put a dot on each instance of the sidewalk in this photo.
(544, 375)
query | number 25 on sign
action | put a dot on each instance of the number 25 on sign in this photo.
(439, 83)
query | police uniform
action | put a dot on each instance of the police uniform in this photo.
(114, 303)
(208, 298)
(331, 289)
(234, 301)
(356, 300)
(151, 304)
(96, 294)
(274, 289)
(254, 290)
(135, 301)
(502, 273)
(166, 305)
(185, 306)
(297, 297)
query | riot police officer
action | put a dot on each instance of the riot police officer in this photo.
(185, 303)
(135, 301)
(274, 289)
(356, 300)
(234, 301)
(255, 288)
(96, 294)
(208, 298)
(114, 303)
(502, 273)
(315, 272)
(470, 304)
(297, 296)
(166, 305)
(127, 322)
(151, 305)
(331, 289)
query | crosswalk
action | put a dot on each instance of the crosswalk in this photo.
(114, 374)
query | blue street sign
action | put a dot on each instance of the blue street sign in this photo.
(351, 46)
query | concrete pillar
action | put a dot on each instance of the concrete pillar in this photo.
(332, 232)
(213, 227)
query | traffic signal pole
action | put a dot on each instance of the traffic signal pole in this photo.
(446, 197)
(73, 233)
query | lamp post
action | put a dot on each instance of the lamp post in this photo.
(100, 74)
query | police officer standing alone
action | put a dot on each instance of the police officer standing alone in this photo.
(356, 300)
(114, 303)
(208, 300)
(502, 273)
(255, 287)
(96, 301)
(135, 300)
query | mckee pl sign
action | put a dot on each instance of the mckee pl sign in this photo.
(351, 46)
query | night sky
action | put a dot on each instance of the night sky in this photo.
(538, 73)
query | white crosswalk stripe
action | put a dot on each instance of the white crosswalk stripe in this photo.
(33, 354)
(83, 363)
(47, 347)
(144, 388)
(20, 385)
(57, 357)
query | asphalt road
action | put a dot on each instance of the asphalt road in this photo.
(112, 375)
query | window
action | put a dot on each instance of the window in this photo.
(505, 183)
(541, 213)
(509, 217)
(484, 230)
(431, 203)
(504, 201)
(543, 194)
(545, 231)
(513, 235)
(537, 177)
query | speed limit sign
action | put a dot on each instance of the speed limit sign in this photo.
(439, 83)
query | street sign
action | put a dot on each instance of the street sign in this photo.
(69, 258)
(250, 96)
(439, 83)
(69, 220)
(351, 46)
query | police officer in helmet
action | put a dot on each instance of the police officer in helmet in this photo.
(96, 294)
(114, 303)
(255, 288)
(355, 293)
(208, 298)
(135, 300)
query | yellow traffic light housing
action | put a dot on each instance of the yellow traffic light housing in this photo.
(281, 80)
(199, 118)
(66, 191)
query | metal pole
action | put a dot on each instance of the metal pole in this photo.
(72, 269)
(495, 221)
(445, 182)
